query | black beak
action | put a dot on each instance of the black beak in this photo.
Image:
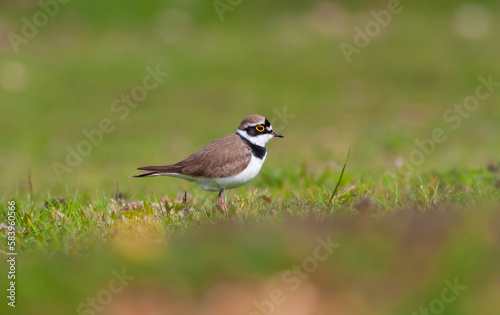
(277, 134)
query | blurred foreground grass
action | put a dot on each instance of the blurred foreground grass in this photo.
(392, 265)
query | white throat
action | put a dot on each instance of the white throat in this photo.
(259, 140)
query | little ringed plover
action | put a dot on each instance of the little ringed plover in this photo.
(225, 163)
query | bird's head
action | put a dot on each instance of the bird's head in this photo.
(257, 129)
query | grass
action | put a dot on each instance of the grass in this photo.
(185, 253)
(403, 228)
(79, 219)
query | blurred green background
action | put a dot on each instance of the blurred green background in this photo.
(265, 58)
(269, 58)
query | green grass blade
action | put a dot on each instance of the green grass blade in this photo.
(340, 178)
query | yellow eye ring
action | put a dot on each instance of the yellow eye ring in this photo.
(260, 128)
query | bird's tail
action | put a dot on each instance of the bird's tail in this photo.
(157, 170)
(147, 174)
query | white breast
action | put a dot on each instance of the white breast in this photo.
(244, 177)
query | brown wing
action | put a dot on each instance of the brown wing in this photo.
(224, 157)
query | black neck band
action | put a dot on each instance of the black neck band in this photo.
(257, 150)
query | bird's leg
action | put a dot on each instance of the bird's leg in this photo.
(221, 201)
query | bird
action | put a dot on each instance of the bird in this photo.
(225, 163)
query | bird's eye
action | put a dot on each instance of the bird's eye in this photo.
(260, 128)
